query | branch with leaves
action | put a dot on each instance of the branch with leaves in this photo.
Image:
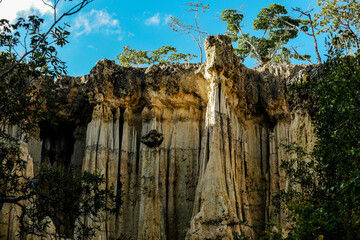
(278, 29)
(341, 20)
(304, 29)
(40, 44)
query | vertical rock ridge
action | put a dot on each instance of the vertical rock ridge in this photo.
(229, 196)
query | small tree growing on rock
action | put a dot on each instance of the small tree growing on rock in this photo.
(195, 31)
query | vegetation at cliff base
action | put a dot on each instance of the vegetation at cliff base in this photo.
(328, 203)
(323, 198)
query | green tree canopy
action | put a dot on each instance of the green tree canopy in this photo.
(165, 54)
(276, 33)
(341, 20)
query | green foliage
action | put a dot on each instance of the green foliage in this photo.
(338, 146)
(272, 231)
(341, 20)
(273, 22)
(165, 54)
(69, 199)
(325, 194)
(132, 57)
(240, 236)
(20, 102)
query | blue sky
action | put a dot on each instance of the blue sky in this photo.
(102, 28)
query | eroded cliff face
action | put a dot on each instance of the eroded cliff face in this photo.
(247, 117)
(216, 168)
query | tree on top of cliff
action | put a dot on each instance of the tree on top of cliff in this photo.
(277, 28)
(341, 20)
(29, 60)
(195, 31)
(165, 54)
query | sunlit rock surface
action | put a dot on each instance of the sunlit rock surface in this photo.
(194, 147)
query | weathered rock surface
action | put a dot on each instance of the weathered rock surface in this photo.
(194, 147)
(152, 138)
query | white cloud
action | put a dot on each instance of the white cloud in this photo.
(157, 19)
(154, 20)
(12, 9)
(96, 21)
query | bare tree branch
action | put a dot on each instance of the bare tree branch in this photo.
(188, 29)
(312, 34)
(185, 29)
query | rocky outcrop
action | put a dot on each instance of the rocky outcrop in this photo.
(193, 147)
(247, 117)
